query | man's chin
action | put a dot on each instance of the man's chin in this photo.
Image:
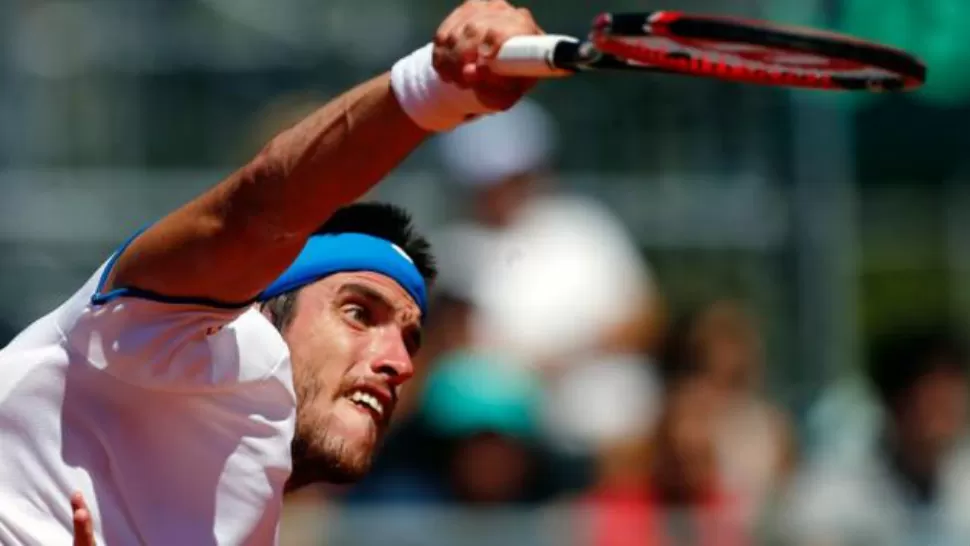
(347, 467)
(334, 460)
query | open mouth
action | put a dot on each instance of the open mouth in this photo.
(368, 402)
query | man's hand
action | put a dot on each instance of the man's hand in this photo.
(472, 35)
(83, 524)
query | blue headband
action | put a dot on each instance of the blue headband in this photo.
(325, 255)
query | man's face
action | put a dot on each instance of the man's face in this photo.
(351, 342)
(729, 344)
(933, 414)
(489, 468)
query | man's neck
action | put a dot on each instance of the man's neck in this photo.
(298, 480)
(308, 471)
(304, 472)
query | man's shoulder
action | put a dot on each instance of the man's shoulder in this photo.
(259, 348)
(171, 345)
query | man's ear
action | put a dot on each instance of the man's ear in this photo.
(279, 310)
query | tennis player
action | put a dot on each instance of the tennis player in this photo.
(252, 341)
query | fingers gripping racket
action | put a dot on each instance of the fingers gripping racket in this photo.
(715, 47)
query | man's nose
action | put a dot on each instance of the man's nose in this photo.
(395, 364)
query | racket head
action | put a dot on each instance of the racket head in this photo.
(754, 52)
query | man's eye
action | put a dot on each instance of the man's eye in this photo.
(357, 313)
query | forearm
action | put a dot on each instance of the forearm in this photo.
(234, 240)
(327, 160)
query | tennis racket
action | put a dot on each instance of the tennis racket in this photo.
(715, 47)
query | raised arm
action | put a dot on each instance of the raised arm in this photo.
(234, 240)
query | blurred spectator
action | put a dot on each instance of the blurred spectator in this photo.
(553, 280)
(912, 486)
(473, 448)
(681, 496)
(844, 421)
(486, 414)
(755, 440)
(474, 439)
(552, 273)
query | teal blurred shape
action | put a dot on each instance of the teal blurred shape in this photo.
(932, 30)
(469, 393)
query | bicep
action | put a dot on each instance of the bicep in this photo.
(216, 249)
(234, 240)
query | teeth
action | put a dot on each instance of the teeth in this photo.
(362, 397)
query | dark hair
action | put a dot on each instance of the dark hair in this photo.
(383, 220)
(678, 359)
(899, 360)
(683, 351)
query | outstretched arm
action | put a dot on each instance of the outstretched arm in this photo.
(233, 241)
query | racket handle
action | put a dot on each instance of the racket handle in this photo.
(535, 56)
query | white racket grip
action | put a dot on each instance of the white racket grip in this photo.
(530, 57)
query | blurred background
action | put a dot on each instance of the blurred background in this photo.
(672, 311)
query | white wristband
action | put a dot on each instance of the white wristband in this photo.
(433, 104)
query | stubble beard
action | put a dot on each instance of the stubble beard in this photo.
(320, 456)
(325, 458)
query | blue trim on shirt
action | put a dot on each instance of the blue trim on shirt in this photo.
(101, 298)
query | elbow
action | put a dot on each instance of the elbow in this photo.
(266, 168)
